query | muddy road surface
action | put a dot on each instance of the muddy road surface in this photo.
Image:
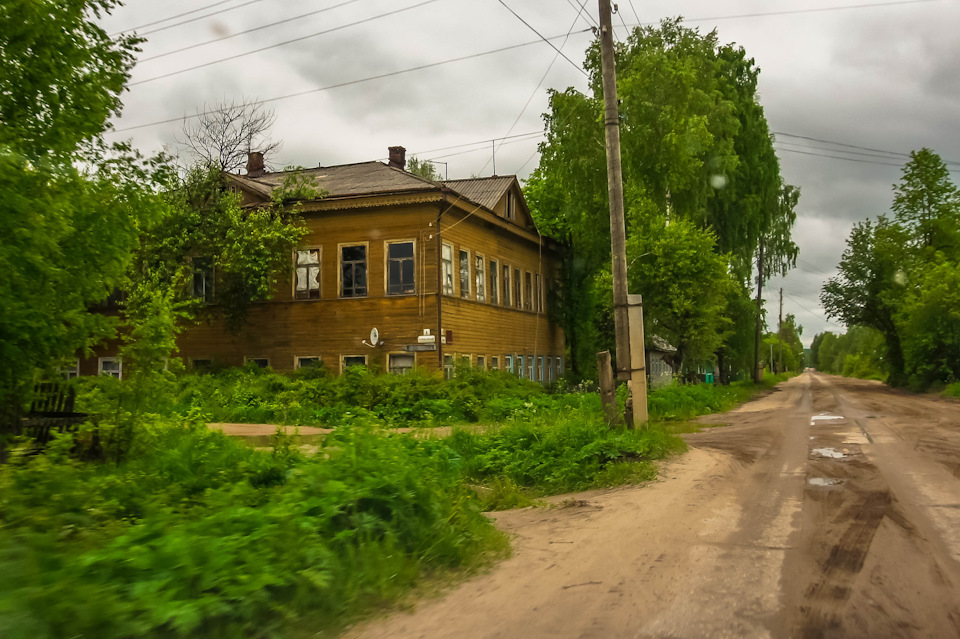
(828, 508)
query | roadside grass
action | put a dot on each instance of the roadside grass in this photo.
(952, 390)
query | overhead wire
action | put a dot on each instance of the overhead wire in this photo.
(173, 17)
(285, 42)
(547, 40)
(346, 83)
(246, 31)
(191, 20)
(539, 83)
(851, 146)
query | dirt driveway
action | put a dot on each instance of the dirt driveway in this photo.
(829, 508)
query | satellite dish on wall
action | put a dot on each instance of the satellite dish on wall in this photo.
(374, 336)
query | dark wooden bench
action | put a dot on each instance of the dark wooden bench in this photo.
(51, 411)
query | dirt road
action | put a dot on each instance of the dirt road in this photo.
(829, 508)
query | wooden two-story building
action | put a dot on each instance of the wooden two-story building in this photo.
(446, 272)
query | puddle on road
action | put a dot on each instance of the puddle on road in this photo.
(824, 482)
(824, 418)
(831, 453)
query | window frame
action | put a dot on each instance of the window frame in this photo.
(539, 303)
(209, 293)
(494, 282)
(521, 367)
(518, 288)
(111, 359)
(464, 276)
(71, 372)
(386, 267)
(494, 362)
(449, 367)
(505, 284)
(343, 361)
(297, 364)
(247, 360)
(446, 271)
(392, 370)
(480, 277)
(366, 262)
(540, 369)
(296, 265)
(508, 364)
(528, 291)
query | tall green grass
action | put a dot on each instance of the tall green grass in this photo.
(687, 402)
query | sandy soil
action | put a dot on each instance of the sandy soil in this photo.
(828, 508)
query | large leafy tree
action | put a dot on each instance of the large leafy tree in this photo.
(73, 206)
(695, 147)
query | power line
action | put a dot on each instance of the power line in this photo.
(851, 146)
(840, 157)
(634, 9)
(815, 10)
(344, 84)
(240, 33)
(812, 312)
(173, 17)
(547, 40)
(204, 16)
(280, 44)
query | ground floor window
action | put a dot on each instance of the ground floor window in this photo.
(448, 366)
(531, 371)
(111, 366)
(520, 367)
(401, 363)
(201, 364)
(550, 371)
(70, 368)
(494, 363)
(481, 362)
(259, 362)
(540, 369)
(307, 360)
(559, 366)
(354, 360)
(508, 363)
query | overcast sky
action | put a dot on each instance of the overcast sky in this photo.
(881, 75)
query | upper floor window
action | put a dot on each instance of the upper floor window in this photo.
(464, 273)
(111, 366)
(528, 291)
(539, 296)
(493, 282)
(307, 284)
(400, 272)
(203, 278)
(509, 206)
(480, 277)
(447, 269)
(353, 270)
(517, 289)
(506, 285)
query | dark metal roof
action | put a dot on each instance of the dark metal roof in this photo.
(364, 178)
(484, 191)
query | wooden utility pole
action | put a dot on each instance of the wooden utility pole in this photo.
(757, 371)
(780, 335)
(618, 243)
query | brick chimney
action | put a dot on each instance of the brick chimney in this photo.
(398, 157)
(255, 166)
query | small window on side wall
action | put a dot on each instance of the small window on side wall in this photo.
(201, 364)
(481, 362)
(111, 366)
(307, 274)
(494, 363)
(308, 360)
(259, 362)
(70, 368)
(354, 360)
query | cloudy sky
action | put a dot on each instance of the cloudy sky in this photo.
(849, 86)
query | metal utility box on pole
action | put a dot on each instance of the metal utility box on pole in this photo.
(629, 366)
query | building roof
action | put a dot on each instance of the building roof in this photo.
(364, 178)
(657, 343)
(484, 191)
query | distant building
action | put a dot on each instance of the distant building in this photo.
(659, 372)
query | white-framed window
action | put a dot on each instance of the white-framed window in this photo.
(400, 271)
(539, 296)
(517, 289)
(464, 262)
(494, 363)
(531, 371)
(202, 278)
(540, 376)
(508, 364)
(401, 363)
(506, 297)
(494, 283)
(111, 366)
(550, 372)
(70, 368)
(448, 370)
(528, 291)
(521, 371)
(259, 362)
(346, 361)
(480, 277)
(446, 268)
(353, 270)
(306, 280)
(481, 362)
(306, 360)
(466, 360)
